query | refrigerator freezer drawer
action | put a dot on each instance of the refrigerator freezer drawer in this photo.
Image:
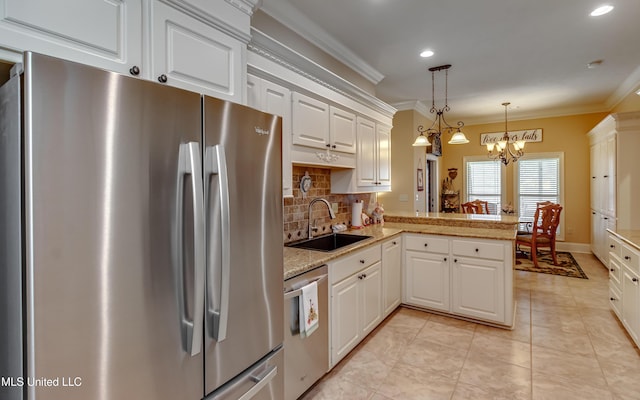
(263, 381)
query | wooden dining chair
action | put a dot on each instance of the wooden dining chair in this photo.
(476, 207)
(543, 234)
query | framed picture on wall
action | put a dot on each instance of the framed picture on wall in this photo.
(420, 180)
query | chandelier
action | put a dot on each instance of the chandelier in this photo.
(458, 137)
(503, 151)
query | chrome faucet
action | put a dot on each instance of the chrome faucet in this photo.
(312, 227)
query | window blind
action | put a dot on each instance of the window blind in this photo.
(538, 180)
(484, 182)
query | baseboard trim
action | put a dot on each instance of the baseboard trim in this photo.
(573, 247)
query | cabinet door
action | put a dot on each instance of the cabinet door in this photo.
(310, 121)
(370, 297)
(192, 55)
(630, 303)
(345, 311)
(391, 275)
(277, 100)
(427, 280)
(478, 288)
(342, 130)
(609, 188)
(366, 153)
(104, 34)
(384, 155)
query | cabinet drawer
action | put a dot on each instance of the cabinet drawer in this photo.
(631, 258)
(352, 263)
(472, 248)
(614, 245)
(615, 268)
(427, 243)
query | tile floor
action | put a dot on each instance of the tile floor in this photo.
(567, 344)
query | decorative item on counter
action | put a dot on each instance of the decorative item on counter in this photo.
(365, 220)
(447, 183)
(305, 184)
(356, 214)
(338, 228)
(508, 209)
(377, 216)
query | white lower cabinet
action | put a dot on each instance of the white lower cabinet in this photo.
(624, 284)
(427, 280)
(391, 275)
(356, 299)
(463, 277)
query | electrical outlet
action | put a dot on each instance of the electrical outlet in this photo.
(334, 207)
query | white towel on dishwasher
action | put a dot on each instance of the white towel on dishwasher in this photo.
(309, 313)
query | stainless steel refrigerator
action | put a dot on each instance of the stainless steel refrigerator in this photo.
(141, 231)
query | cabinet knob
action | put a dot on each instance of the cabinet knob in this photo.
(455, 260)
(612, 298)
(477, 250)
(634, 279)
(612, 269)
(593, 177)
(162, 78)
(426, 244)
(606, 218)
(333, 146)
(364, 276)
(394, 243)
(361, 261)
(612, 246)
(606, 176)
(135, 71)
(627, 257)
(328, 145)
(359, 276)
(445, 258)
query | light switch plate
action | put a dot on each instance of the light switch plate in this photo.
(334, 207)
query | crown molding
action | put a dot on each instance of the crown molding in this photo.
(415, 105)
(271, 49)
(627, 87)
(293, 19)
(246, 6)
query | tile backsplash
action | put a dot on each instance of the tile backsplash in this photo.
(296, 208)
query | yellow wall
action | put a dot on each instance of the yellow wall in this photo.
(629, 103)
(559, 134)
(404, 162)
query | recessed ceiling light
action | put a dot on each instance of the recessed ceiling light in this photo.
(602, 10)
(426, 53)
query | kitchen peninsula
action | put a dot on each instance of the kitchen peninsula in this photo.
(456, 264)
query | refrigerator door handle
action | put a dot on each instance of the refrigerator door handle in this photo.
(261, 380)
(216, 164)
(189, 164)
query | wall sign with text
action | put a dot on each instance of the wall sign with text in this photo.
(529, 135)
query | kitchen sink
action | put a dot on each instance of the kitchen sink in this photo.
(330, 242)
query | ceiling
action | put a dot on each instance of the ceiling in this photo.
(532, 53)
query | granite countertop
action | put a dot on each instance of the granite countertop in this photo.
(497, 227)
(631, 237)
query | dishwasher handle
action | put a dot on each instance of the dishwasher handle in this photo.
(297, 292)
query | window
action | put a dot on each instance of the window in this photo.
(539, 178)
(484, 180)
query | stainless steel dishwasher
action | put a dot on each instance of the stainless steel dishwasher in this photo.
(306, 360)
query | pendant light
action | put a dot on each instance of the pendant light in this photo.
(503, 151)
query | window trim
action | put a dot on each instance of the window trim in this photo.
(503, 180)
(516, 184)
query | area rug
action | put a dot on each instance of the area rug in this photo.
(567, 265)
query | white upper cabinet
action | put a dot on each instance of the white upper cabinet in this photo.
(323, 126)
(342, 130)
(103, 33)
(310, 122)
(192, 55)
(275, 99)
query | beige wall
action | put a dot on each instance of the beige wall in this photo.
(404, 162)
(560, 134)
